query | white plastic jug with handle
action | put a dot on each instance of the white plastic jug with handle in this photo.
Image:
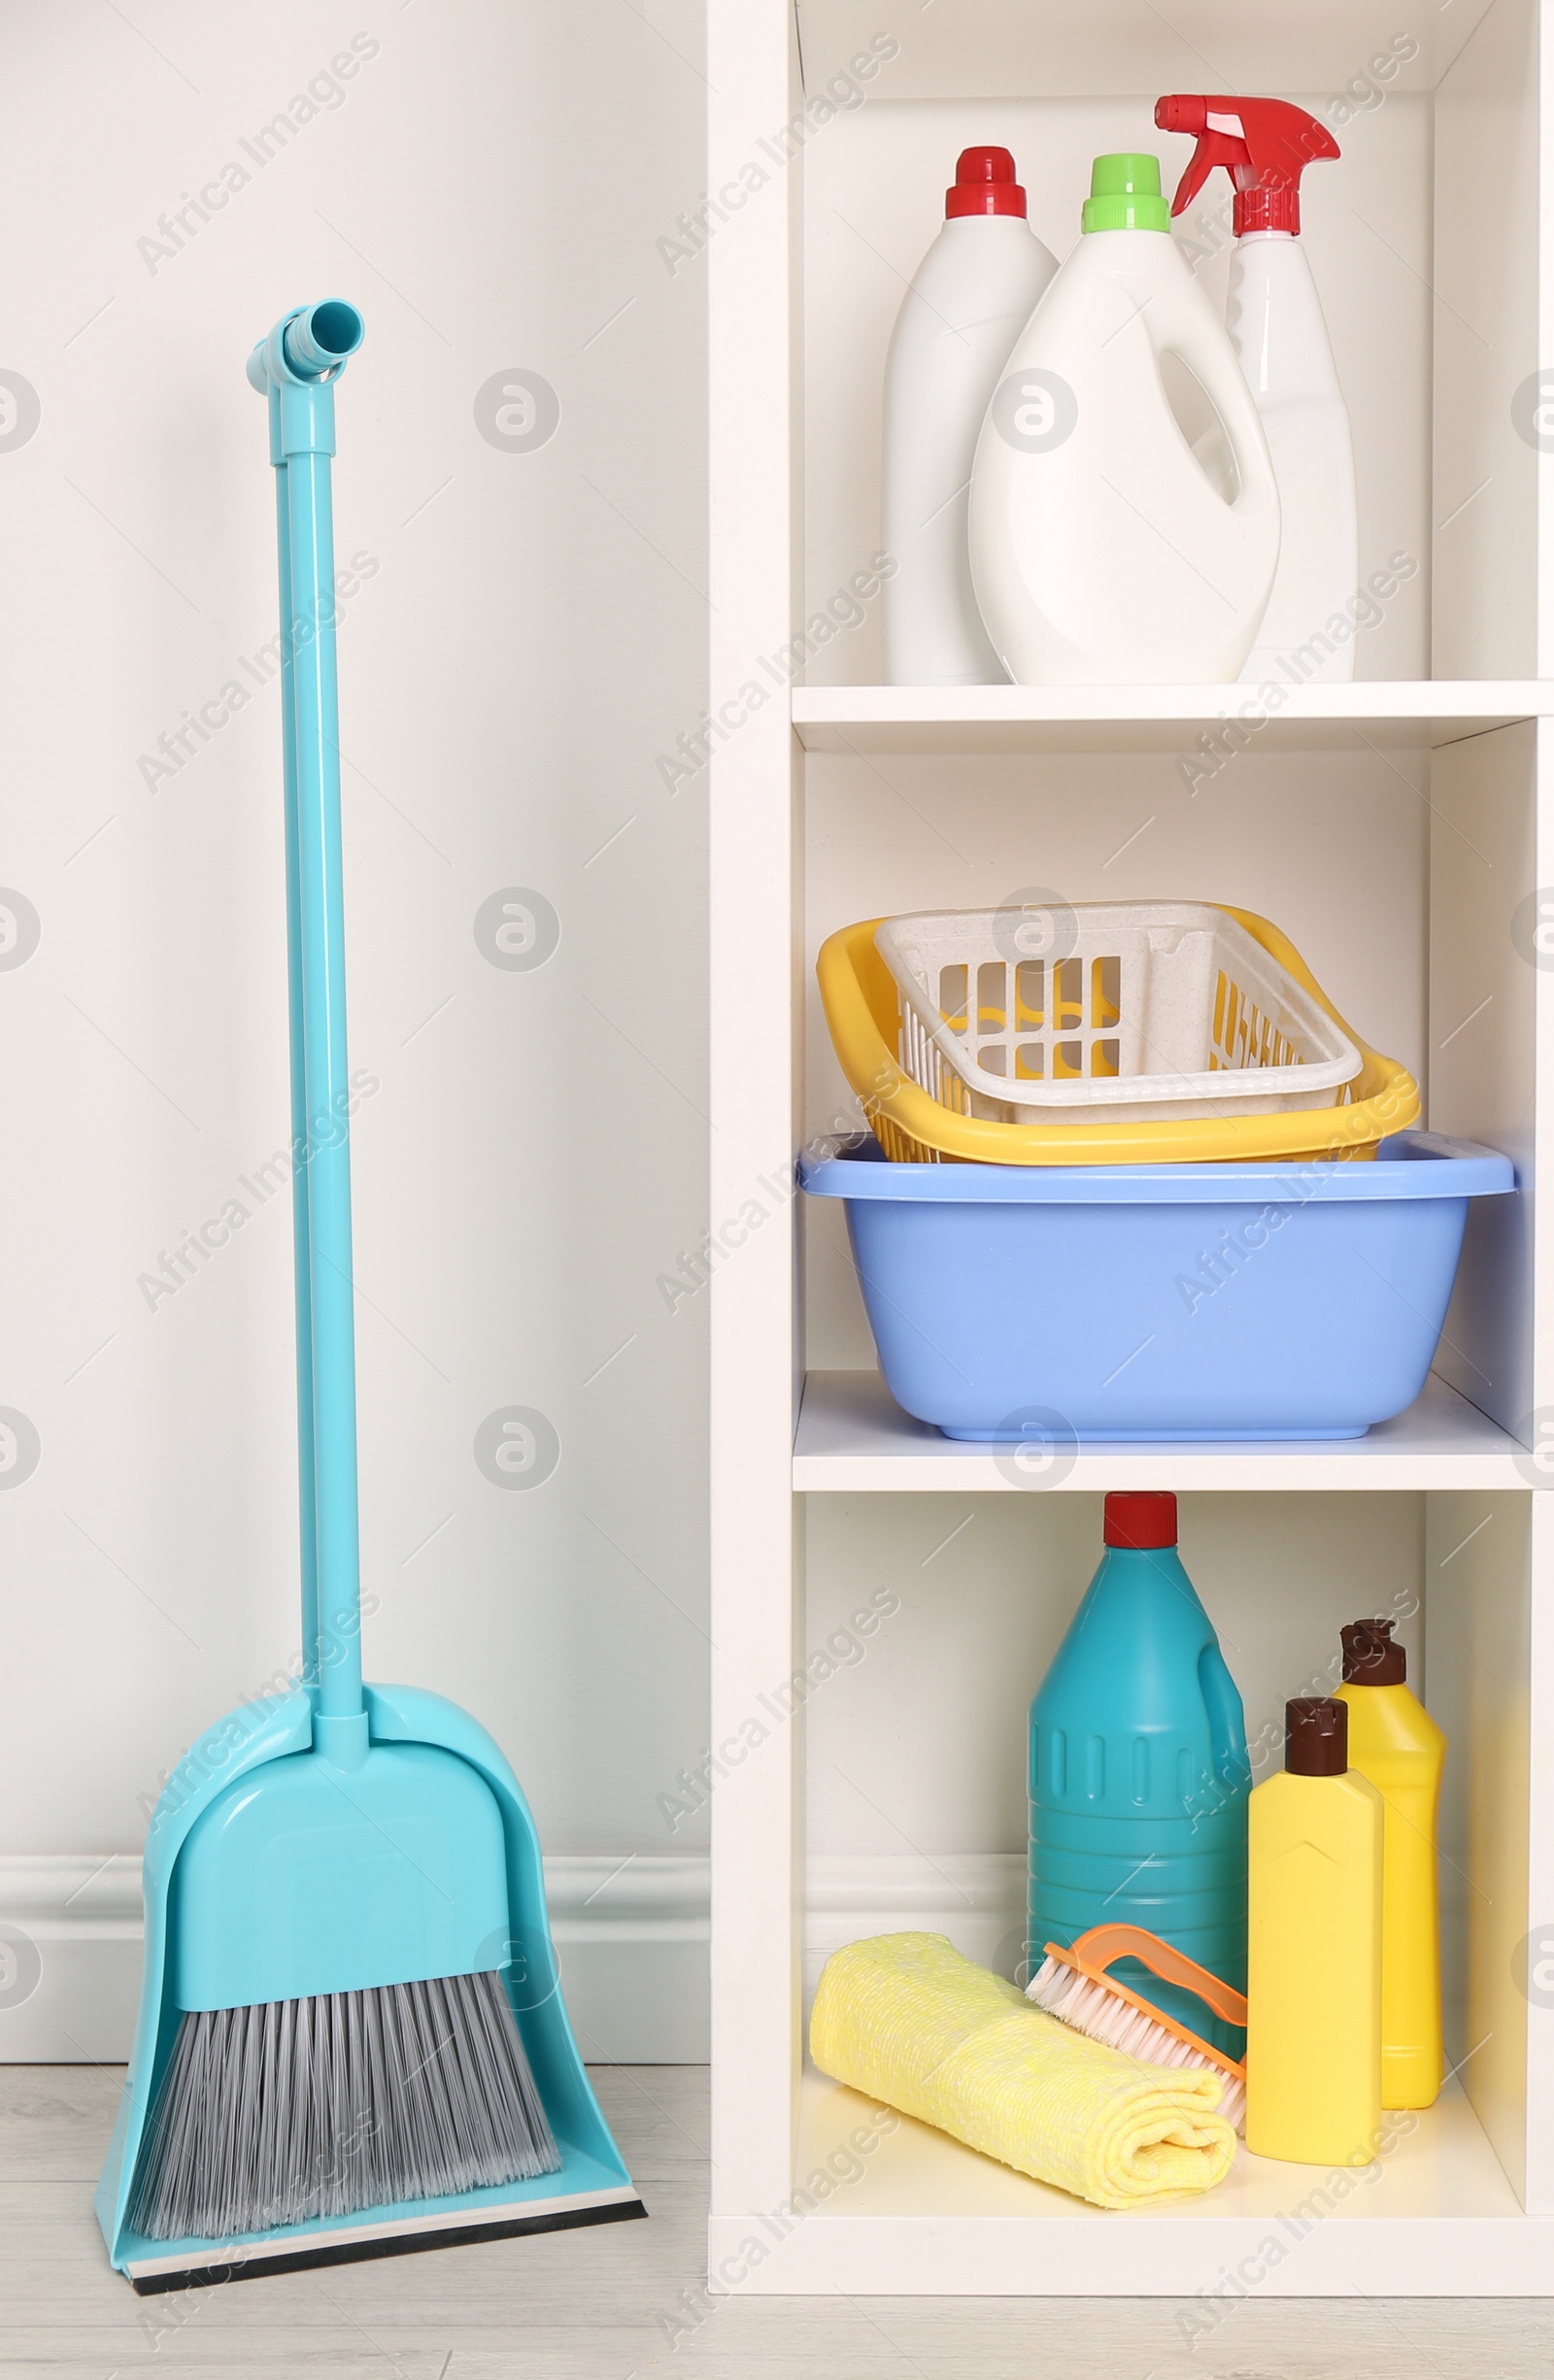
(1105, 549)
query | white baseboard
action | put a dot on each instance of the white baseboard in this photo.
(630, 1937)
(72, 1932)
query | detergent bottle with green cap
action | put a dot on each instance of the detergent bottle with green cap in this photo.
(1104, 550)
(1276, 324)
(1139, 1778)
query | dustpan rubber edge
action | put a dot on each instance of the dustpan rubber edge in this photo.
(368, 2249)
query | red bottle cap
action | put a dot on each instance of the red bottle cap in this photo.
(1140, 1522)
(984, 184)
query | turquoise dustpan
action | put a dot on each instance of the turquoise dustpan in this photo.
(342, 1885)
(429, 1767)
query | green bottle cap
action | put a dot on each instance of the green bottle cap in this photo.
(1125, 196)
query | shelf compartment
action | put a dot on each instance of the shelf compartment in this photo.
(1429, 273)
(852, 1437)
(1407, 882)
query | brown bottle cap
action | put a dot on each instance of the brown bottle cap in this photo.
(1369, 1655)
(1316, 1736)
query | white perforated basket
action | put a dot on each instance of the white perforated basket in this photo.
(1151, 1009)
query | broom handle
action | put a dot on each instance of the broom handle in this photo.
(315, 711)
(301, 358)
(306, 1513)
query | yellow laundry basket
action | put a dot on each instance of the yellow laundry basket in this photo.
(864, 1009)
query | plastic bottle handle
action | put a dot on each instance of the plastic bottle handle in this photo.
(1104, 1944)
(1173, 328)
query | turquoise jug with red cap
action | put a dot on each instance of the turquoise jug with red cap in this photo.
(1139, 1776)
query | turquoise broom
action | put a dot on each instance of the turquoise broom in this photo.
(351, 2039)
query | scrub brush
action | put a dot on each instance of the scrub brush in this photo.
(1073, 1986)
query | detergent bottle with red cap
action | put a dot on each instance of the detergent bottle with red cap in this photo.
(1140, 1777)
(1275, 321)
(968, 301)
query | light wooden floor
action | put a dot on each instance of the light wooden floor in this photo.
(600, 2305)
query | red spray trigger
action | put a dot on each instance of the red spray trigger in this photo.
(1264, 145)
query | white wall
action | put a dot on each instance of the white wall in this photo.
(488, 189)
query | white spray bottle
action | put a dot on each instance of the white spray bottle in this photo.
(1274, 317)
(970, 300)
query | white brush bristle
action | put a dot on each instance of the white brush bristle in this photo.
(274, 2115)
(1104, 2015)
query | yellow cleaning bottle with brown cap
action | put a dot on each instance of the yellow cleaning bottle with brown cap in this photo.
(1394, 1741)
(1313, 1972)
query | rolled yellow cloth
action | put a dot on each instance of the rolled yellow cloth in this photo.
(905, 2019)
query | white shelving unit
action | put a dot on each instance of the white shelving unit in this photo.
(1418, 716)
(853, 1439)
(1398, 829)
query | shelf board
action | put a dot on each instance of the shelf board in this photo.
(925, 2215)
(853, 1436)
(1405, 713)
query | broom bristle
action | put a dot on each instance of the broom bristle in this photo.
(276, 2114)
(1091, 2008)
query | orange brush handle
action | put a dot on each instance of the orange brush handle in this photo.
(1104, 1944)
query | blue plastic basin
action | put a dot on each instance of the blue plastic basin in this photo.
(1158, 1301)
